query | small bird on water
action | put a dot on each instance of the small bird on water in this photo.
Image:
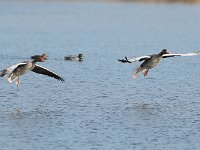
(74, 57)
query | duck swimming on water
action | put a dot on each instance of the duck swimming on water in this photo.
(150, 61)
(19, 69)
(74, 57)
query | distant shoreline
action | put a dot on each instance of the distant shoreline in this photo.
(138, 1)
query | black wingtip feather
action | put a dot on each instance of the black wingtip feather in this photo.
(61, 79)
(2, 73)
(124, 60)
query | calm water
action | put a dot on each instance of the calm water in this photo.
(100, 106)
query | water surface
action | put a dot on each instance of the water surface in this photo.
(100, 106)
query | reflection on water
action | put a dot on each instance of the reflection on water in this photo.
(100, 106)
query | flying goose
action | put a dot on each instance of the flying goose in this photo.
(150, 61)
(19, 69)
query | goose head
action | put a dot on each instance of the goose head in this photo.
(40, 58)
(44, 56)
(164, 51)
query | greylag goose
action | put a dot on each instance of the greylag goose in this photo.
(17, 70)
(74, 57)
(150, 61)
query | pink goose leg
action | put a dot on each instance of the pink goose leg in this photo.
(18, 81)
(136, 73)
(145, 72)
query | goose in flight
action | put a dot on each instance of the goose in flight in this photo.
(150, 61)
(17, 70)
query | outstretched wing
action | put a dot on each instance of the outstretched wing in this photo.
(10, 69)
(141, 58)
(187, 54)
(41, 70)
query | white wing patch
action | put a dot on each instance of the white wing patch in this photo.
(138, 58)
(187, 54)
